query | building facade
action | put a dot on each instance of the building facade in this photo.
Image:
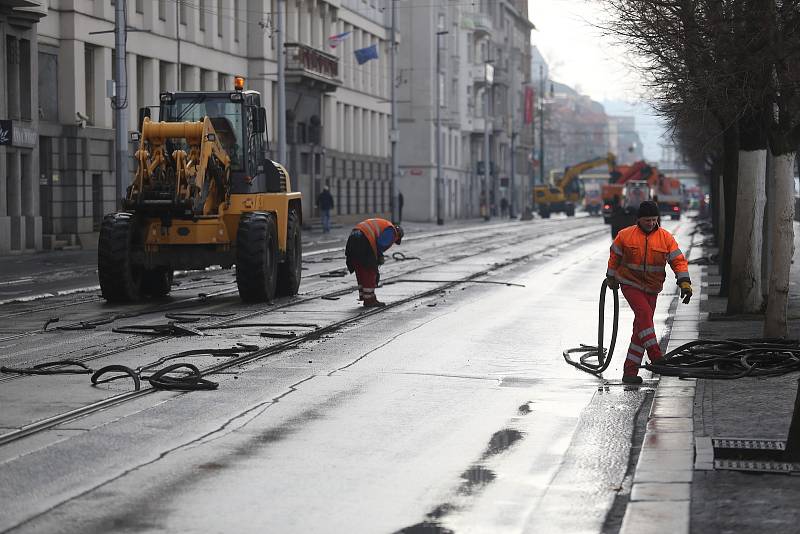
(20, 221)
(337, 110)
(471, 106)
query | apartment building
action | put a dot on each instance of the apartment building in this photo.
(20, 222)
(337, 110)
(471, 105)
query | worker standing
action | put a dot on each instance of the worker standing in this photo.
(637, 264)
(364, 252)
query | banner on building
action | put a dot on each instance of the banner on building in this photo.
(528, 104)
(13, 133)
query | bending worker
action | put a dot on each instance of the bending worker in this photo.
(637, 263)
(364, 252)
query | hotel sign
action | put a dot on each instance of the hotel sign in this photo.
(14, 133)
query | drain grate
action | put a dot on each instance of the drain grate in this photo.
(781, 468)
(739, 443)
(744, 454)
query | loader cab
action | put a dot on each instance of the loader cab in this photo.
(240, 124)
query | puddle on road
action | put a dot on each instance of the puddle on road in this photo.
(426, 527)
(502, 440)
(474, 478)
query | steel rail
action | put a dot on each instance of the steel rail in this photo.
(276, 348)
(230, 320)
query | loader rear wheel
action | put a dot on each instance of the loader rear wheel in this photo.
(120, 277)
(290, 271)
(157, 282)
(256, 257)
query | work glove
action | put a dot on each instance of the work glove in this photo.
(381, 259)
(686, 292)
(611, 282)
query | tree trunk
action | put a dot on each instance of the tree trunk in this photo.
(730, 179)
(745, 283)
(767, 230)
(775, 323)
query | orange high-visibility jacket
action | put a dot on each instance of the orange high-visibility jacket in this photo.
(372, 228)
(638, 259)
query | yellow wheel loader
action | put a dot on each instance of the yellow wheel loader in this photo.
(204, 194)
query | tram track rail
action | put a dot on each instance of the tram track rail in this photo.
(193, 301)
(202, 300)
(270, 350)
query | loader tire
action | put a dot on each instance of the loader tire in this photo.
(157, 282)
(256, 257)
(120, 277)
(290, 271)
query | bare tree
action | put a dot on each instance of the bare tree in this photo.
(784, 136)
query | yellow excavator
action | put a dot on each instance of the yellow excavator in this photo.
(204, 194)
(562, 194)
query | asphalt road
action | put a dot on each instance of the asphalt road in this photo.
(451, 410)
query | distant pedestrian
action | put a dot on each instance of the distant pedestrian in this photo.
(503, 206)
(364, 253)
(636, 266)
(400, 208)
(325, 204)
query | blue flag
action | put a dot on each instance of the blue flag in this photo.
(365, 54)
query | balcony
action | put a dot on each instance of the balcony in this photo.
(480, 23)
(478, 73)
(312, 68)
(24, 12)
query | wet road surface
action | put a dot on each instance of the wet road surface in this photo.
(451, 412)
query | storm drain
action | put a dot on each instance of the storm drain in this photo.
(744, 454)
(776, 456)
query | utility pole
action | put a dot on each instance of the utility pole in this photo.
(393, 133)
(281, 83)
(178, 39)
(439, 218)
(541, 123)
(489, 78)
(512, 194)
(121, 101)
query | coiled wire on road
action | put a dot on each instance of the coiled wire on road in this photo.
(730, 359)
(160, 379)
(595, 358)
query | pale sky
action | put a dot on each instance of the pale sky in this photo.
(579, 56)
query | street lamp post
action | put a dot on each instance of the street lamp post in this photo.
(489, 79)
(439, 217)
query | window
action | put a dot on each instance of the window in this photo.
(48, 84)
(183, 12)
(162, 9)
(202, 15)
(140, 6)
(88, 83)
(220, 18)
(25, 78)
(236, 18)
(226, 117)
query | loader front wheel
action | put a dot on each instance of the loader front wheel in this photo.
(157, 282)
(120, 277)
(290, 271)
(256, 257)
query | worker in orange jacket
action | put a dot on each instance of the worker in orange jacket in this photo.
(364, 253)
(636, 264)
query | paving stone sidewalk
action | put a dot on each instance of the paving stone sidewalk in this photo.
(675, 488)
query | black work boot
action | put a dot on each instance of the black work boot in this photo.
(631, 379)
(373, 303)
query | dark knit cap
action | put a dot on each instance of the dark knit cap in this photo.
(648, 208)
